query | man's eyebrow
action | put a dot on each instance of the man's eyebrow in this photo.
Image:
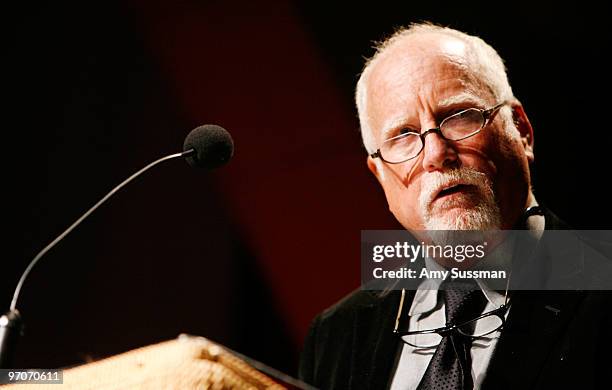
(462, 98)
(389, 127)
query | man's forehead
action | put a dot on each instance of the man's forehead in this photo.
(418, 62)
(429, 79)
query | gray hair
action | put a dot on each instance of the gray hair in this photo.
(489, 66)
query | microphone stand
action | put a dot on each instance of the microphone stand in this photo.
(10, 328)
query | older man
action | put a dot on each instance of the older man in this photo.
(451, 147)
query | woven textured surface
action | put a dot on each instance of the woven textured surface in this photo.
(184, 363)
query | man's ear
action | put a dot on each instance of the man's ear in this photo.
(524, 127)
(376, 169)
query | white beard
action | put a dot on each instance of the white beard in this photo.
(483, 216)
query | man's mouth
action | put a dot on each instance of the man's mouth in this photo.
(453, 189)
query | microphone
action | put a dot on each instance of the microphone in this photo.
(206, 146)
(212, 145)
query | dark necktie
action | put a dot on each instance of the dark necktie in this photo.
(450, 366)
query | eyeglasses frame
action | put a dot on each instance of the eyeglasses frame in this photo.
(453, 328)
(487, 115)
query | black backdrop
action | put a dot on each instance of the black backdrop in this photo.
(87, 102)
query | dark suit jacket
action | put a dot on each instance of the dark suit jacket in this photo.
(552, 340)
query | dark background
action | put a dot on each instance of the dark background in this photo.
(246, 255)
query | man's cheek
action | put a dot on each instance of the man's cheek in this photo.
(407, 212)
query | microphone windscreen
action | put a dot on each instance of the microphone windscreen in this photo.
(213, 146)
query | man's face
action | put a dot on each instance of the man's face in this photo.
(481, 182)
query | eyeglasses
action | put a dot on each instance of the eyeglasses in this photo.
(456, 127)
(474, 329)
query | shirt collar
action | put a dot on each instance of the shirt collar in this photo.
(426, 297)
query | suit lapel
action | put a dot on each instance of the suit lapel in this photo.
(536, 322)
(375, 343)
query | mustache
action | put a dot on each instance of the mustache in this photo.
(438, 181)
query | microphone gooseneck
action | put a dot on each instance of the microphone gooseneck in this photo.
(206, 146)
(81, 219)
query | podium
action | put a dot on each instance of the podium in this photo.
(187, 362)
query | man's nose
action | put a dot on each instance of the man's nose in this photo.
(438, 153)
